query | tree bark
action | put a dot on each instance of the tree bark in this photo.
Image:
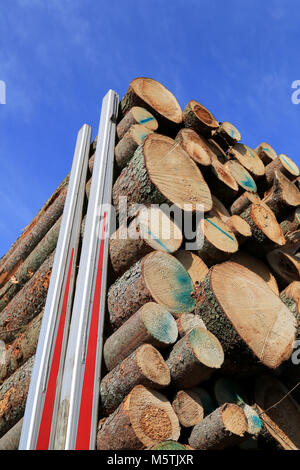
(292, 222)
(226, 135)
(158, 162)
(151, 324)
(194, 358)
(223, 428)
(26, 304)
(243, 202)
(266, 231)
(13, 394)
(136, 115)
(266, 153)
(155, 98)
(144, 366)
(251, 322)
(283, 164)
(158, 277)
(143, 419)
(282, 197)
(197, 117)
(126, 147)
(10, 440)
(218, 209)
(291, 297)
(150, 230)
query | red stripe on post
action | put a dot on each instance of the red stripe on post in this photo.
(46, 421)
(86, 404)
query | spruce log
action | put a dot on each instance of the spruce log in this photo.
(144, 418)
(10, 440)
(150, 230)
(194, 265)
(266, 153)
(282, 421)
(136, 115)
(220, 178)
(196, 116)
(33, 233)
(248, 158)
(292, 222)
(286, 266)
(195, 146)
(223, 428)
(291, 297)
(218, 209)
(13, 394)
(241, 176)
(194, 358)
(229, 391)
(251, 322)
(144, 366)
(226, 135)
(27, 304)
(188, 407)
(219, 241)
(239, 227)
(159, 277)
(282, 197)
(21, 349)
(161, 171)
(283, 164)
(31, 264)
(126, 147)
(257, 266)
(157, 99)
(152, 324)
(266, 231)
(243, 202)
(187, 321)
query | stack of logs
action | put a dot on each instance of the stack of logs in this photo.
(199, 340)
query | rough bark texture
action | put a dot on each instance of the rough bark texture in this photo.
(10, 440)
(126, 147)
(282, 197)
(131, 372)
(136, 115)
(186, 361)
(143, 419)
(13, 394)
(283, 164)
(243, 202)
(27, 304)
(21, 349)
(30, 266)
(212, 434)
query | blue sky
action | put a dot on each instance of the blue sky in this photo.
(59, 57)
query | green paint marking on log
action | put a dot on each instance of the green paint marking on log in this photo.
(183, 289)
(143, 121)
(289, 165)
(251, 153)
(249, 183)
(157, 240)
(221, 230)
(232, 132)
(162, 326)
(265, 149)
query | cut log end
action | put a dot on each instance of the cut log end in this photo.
(196, 116)
(187, 321)
(195, 146)
(248, 158)
(188, 407)
(194, 265)
(152, 365)
(241, 176)
(266, 153)
(136, 115)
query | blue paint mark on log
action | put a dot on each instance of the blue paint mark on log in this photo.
(143, 136)
(288, 164)
(251, 153)
(182, 290)
(153, 237)
(265, 149)
(249, 183)
(257, 422)
(232, 132)
(143, 121)
(219, 228)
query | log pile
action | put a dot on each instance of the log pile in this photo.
(198, 342)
